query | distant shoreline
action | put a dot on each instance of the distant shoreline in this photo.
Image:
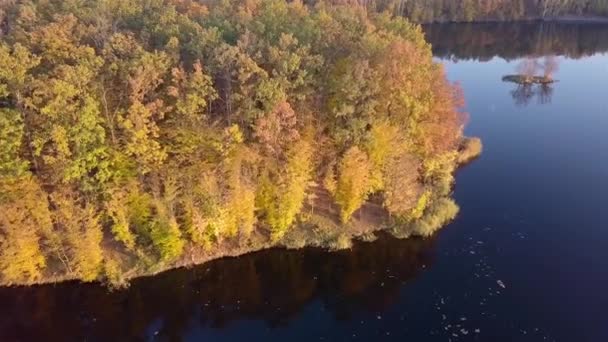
(562, 19)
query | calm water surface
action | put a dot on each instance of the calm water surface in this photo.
(526, 259)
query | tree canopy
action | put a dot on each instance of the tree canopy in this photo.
(136, 133)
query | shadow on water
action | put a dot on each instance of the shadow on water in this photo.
(272, 286)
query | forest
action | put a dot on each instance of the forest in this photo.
(142, 135)
(427, 11)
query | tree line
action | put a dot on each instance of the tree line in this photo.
(134, 134)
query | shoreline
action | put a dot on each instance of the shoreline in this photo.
(324, 232)
(564, 20)
(228, 249)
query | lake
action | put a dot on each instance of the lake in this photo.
(526, 259)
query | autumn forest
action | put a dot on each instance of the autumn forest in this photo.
(141, 135)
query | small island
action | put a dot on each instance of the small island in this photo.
(528, 80)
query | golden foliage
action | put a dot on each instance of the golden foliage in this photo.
(240, 197)
(20, 256)
(118, 210)
(81, 234)
(470, 148)
(24, 220)
(383, 146)
(282, 199)
(354, 183)
(171, 130)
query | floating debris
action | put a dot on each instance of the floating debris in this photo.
(501, 284)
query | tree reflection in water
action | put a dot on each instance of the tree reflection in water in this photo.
(545, 94)
(537, 44)
(530, 69)
(523, 94)
(273, 286)
(484, 41)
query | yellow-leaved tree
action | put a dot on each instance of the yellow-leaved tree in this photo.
(281, 199)
(354, 182)
(24, 218)
(165, 232)
(118, 210)
(80, 233)
(240, 198)
(383, 144)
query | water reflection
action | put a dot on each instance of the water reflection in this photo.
(534, 78)
(523, 94)
(272, 286)
(539, 45)
(484, 41)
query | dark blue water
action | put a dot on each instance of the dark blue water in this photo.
(526, 259)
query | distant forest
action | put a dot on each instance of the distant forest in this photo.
(426, 11)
